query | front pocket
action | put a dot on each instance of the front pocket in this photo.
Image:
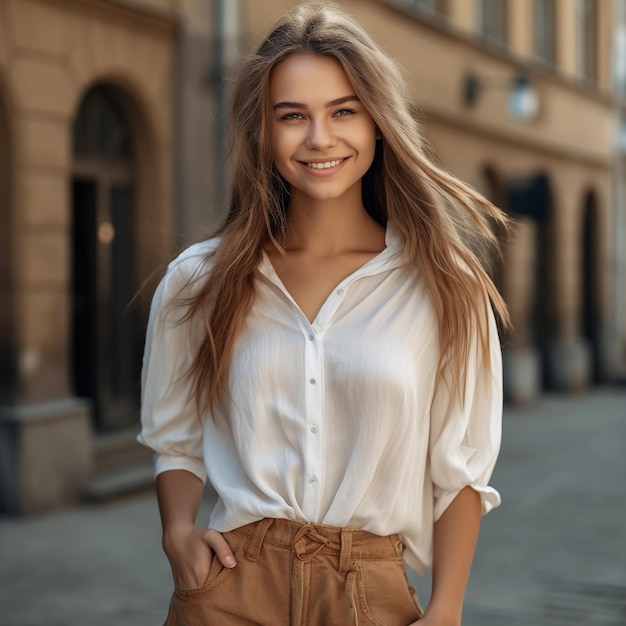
(217, 572)
(384, 595)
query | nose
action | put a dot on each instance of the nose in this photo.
(319, 136)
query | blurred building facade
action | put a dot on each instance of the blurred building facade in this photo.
(111, 157)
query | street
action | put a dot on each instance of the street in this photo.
(554, 554)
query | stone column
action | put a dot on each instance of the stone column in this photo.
(569, 355)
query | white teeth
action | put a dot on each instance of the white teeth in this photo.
(326, 165)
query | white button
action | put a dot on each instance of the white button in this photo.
(311, 337)
(312, 479)
(340, 292)
(312, 381)
(314, 429)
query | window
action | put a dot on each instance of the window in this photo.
(492, 20)
(544, 31)
(619, 50)
(100, 129)
(586, 19)
(433, 7)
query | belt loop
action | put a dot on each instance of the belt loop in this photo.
(254, 548)
(346, 551)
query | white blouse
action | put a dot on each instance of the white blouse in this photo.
(334, 422)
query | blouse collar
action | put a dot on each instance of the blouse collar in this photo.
(389, 258)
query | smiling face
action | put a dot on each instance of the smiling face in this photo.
(323, 138)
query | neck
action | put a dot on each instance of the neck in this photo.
(327, 227)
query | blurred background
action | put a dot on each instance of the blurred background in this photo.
(112, 122)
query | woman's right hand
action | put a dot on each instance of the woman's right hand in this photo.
(190, 551)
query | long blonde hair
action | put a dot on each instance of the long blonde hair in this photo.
(434, 212)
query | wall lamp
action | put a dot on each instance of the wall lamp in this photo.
(522, 97)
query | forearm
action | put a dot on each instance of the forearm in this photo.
(455, 536)
(179, 494)
(187, 546)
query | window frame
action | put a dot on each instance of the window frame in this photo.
(544, 35)
(488, 35)
(587, 38)
(435, 8)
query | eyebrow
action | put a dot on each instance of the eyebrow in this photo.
(299, 105)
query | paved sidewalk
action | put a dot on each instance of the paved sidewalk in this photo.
(553, 555)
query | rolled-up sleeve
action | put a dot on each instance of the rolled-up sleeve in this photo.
(170, 424)
(465, 437)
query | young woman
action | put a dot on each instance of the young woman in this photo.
(330, 360)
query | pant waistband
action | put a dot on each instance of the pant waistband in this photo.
(308, 540)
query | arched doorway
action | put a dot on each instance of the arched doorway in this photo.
(106, 342)
(7, 337)
(590, 293)
(530, 198)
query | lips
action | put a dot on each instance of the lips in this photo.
(324, 165)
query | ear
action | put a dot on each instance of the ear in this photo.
(378, 135)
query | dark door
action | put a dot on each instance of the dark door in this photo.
(106, 337)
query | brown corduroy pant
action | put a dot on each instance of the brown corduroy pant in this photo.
(297, 574)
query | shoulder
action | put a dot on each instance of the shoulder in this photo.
(194, 257)
(191, 265)
(184, 276)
